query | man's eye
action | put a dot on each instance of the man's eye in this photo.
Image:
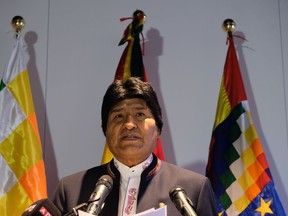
(140, 114)
(118, 116)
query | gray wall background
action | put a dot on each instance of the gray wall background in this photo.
(72, 55)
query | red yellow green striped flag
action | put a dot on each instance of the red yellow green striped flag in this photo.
(237, 166)
(131, 65)
(22, 171)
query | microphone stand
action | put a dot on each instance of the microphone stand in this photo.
(74, 211)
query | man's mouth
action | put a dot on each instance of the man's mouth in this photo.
(130, 137)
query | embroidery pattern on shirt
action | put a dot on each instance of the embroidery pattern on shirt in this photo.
(131, 200)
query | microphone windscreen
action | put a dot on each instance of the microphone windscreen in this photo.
(105, 180)
(174, 192)
(42, 207)
(181, 201)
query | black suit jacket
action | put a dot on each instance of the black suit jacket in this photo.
(156, 182)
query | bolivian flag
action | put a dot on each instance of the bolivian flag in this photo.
(131, 65)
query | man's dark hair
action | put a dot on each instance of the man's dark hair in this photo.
(133, 87)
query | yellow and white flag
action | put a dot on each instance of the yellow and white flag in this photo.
(22, 170)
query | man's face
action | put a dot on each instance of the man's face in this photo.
(131, 132)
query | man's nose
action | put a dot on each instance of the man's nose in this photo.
(130, 122)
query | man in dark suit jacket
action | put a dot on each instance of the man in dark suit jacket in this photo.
(132, 123)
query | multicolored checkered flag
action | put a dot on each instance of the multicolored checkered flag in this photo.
(237, 166)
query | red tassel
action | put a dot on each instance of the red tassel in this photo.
(238, 36)
(125, 18)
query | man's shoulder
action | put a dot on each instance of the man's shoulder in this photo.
(175, 170)
(91, 174)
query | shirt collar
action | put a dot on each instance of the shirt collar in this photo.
(134, 171)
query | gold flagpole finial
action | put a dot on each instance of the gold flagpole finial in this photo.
(18, 24)
(229, 26)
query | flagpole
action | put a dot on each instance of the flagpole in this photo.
(18, 24)
(229, 26)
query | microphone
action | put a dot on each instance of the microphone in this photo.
(102, 189)
(42, 207)
(181, 201)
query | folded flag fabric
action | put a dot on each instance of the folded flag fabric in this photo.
(131, 65)
(22, 171)
(237, 166)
